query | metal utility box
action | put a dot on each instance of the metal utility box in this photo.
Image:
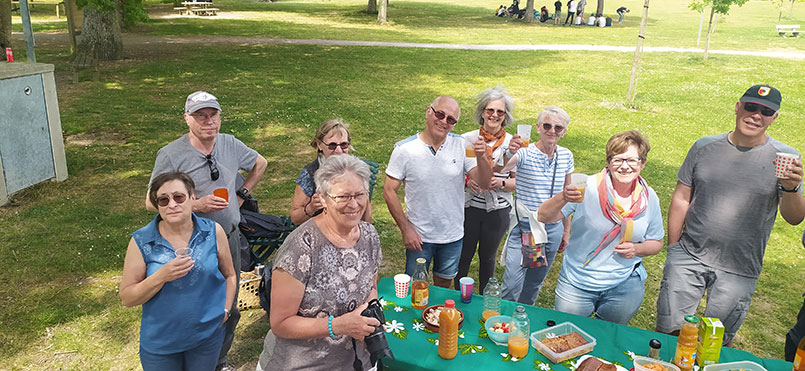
(31, 144)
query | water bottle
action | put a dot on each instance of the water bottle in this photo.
(491, 299)
(520, 331)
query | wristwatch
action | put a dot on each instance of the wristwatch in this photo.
(243, 192)
(502, 184)
(780, 187)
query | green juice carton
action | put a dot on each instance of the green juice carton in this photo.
(711, 334)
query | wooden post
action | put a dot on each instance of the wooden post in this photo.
(68, 10)
(639, 48)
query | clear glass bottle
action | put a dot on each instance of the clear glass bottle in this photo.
(419, 285)
(686, 343)
(520, 331)
(491, 299)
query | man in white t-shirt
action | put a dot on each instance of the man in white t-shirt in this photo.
(433, 164)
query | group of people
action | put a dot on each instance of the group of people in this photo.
(183, 266)
(575, 13)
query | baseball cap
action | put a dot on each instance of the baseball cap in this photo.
(199, 100)
(764, 95)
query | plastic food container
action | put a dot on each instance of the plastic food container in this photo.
(730, 366)
(496, 337)
(564, 328)
(640, 362)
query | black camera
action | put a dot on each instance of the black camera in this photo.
(376, 342)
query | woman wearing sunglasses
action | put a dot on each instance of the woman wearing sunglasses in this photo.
(543, 168)
(617, 222)
(332, 138)
(486, 213)
(180, 269)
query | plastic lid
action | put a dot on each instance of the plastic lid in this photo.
(449, 303)
(691, 318)
(654, 343)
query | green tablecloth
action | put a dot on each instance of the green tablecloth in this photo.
(415, 348)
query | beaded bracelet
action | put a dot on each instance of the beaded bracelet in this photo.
(330, 326)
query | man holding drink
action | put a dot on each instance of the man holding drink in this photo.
(721, 215)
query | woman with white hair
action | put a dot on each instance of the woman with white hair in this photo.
(543, 168)
(486, 213)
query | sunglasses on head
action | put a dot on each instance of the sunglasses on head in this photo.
(164, 200)
(753, 107)
(441, 115)
(557, 128)
(332, 146)
(214, 174)
(491, 111)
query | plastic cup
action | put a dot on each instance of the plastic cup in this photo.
(524, 131)
(401, 282)
(781, 162)
(184, 252)
(469, 151)
(222, 193)
(466, 286)
(580, 181)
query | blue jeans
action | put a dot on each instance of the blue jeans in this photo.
(618, 304)
(203, 356)
(445, 258)
(523, 284)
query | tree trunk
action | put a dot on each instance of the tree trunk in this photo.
(5, 26)
(529, 11)
(381, 11)
(701, 22)
(709, 30)
(101, 35)
(371, 7)
(630, 94)
(599, 11)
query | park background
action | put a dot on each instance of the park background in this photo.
(62, 244)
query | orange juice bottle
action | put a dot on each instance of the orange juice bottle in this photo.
(419, 286)
(686, 343)
(448, 330)
(799, 357)
(519, 332)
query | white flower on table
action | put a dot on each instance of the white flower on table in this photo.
(544, 366)
(382, 302)
(461, 335)
(419, 326)
(504, 354)
(631, 354)
(398, 309)
(394, 326)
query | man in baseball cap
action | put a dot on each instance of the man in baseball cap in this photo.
(213, 160)
(721, 215)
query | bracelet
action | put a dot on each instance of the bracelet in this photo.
(305, 208)
(228, 313)
(780, 187)
(330, 326)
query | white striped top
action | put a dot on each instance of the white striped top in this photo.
(534, 172)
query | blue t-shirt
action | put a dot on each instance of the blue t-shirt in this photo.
(587, 229)
(187, 310)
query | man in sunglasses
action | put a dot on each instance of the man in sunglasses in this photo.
(433, 165)
(721, 215)
(213, 160)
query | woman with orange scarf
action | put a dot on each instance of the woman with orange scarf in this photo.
(616, 222)
(486, 213)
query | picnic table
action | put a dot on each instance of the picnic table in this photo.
(414, 346)
(201, 8)
(31, 3)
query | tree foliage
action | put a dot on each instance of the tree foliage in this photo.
(719, 6)
(133, 11)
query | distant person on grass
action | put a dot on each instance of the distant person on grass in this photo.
(180, 269)
(432, 164)
(543, 14)
(557, 15)
(580, 11)
(621, 11)
(213, 160)
(571, 11)
(721, 214)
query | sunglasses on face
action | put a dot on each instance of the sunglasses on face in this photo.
(214, 174)
(491, 111)
(441, 115)
(164, 200)
(557, 128)
(753, 107)
(344, 199)
(332, 146)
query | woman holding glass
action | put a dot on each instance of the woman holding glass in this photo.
(617, 222)
(180, 269)
(486, 213)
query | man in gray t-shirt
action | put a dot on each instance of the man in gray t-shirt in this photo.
(721, 215)
(213, 160)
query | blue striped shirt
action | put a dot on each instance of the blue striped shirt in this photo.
(534, 173)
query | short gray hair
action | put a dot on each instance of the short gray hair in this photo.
(496, 93)
(554, 112)
(337, 166)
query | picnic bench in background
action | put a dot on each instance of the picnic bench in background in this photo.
(783, 29)
(201, 8)
(31, 3)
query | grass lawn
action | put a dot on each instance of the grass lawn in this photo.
(62, 246)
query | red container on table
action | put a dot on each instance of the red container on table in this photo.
(9, 55)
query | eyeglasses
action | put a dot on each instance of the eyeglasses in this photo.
(632, 162)
(332, 146)
(164, 200)
(441, 115)
(753, 107)
(344, 199)
(214, 174)
(202, 117)
(491, 111)
(557, 128)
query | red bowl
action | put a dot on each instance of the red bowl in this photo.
(434, 326)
